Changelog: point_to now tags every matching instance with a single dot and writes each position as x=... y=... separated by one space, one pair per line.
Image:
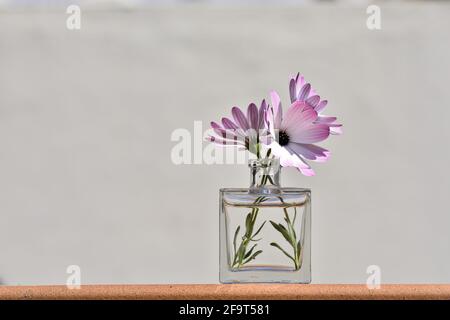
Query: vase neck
x=264 y=173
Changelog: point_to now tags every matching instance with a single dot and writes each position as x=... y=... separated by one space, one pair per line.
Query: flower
x=245 y=131
x=299 y=90
x=297 y=132
x=291 y=137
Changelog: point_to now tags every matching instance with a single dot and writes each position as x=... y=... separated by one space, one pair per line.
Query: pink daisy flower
x=296 y=132
x=246 y=131
x=299 y=90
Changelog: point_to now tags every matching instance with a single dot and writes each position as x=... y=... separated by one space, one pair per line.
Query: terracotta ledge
x=237 y=291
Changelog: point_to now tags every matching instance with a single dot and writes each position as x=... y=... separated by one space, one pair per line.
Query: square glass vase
x=265 y=231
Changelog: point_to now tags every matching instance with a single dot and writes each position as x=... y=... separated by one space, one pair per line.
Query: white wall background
x=86 y=118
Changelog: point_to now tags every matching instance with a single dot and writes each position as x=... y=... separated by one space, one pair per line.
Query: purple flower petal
x=225 y=133
x=252 y=116
x=325 y=119
x=215 y=125
x=240 y=118
x=262 y=115
x=310 y=134
x=228 y=124
x=298 y=116
x=310 y=151
x=287 y=157
x=269 y=121
x=304 y=92
x=277 y=109
x=299 y=163
x=322 y=104
x=292 y=90
x=313 y=101
x=299 y=83
x=221 y=132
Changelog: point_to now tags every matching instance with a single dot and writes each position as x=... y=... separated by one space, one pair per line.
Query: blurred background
x=86 y=118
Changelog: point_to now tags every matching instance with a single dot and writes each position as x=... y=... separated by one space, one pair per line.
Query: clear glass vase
x=265 y=230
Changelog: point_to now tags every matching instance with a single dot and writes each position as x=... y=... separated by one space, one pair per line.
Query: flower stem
x=243 y=254
x=288 y=232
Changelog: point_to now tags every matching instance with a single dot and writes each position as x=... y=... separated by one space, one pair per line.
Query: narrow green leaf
x=248 y=221
x=239 y=252
x=299 y=255
x=275 y=225
x=235 y=237
x=249 y=252
x=291 y=230
x=276 y=245
x=259 y=229
x=281 y=230
x=253 y=256
x=295 y=215
x=286 y=215
x=299 y=249
x=253 y=218
x=292 y=234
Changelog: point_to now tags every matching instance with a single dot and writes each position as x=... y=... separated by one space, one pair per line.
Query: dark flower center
x=283 y=138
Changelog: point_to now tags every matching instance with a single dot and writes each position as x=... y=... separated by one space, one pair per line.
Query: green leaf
x=248 y=221
x=295 y=215
x=292 y=234
x=290 y=225
x=253 y=256
x=239 y=253
x=299 y=255
x=259 y=229
x=299 y=249
x=235 y=237
x=251 y=222
x=254 y=216
x=281 y=230
x=276 y=245
x=249 y=252
x=286 y=216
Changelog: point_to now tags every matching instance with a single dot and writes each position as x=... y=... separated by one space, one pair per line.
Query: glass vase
x=265 y=230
